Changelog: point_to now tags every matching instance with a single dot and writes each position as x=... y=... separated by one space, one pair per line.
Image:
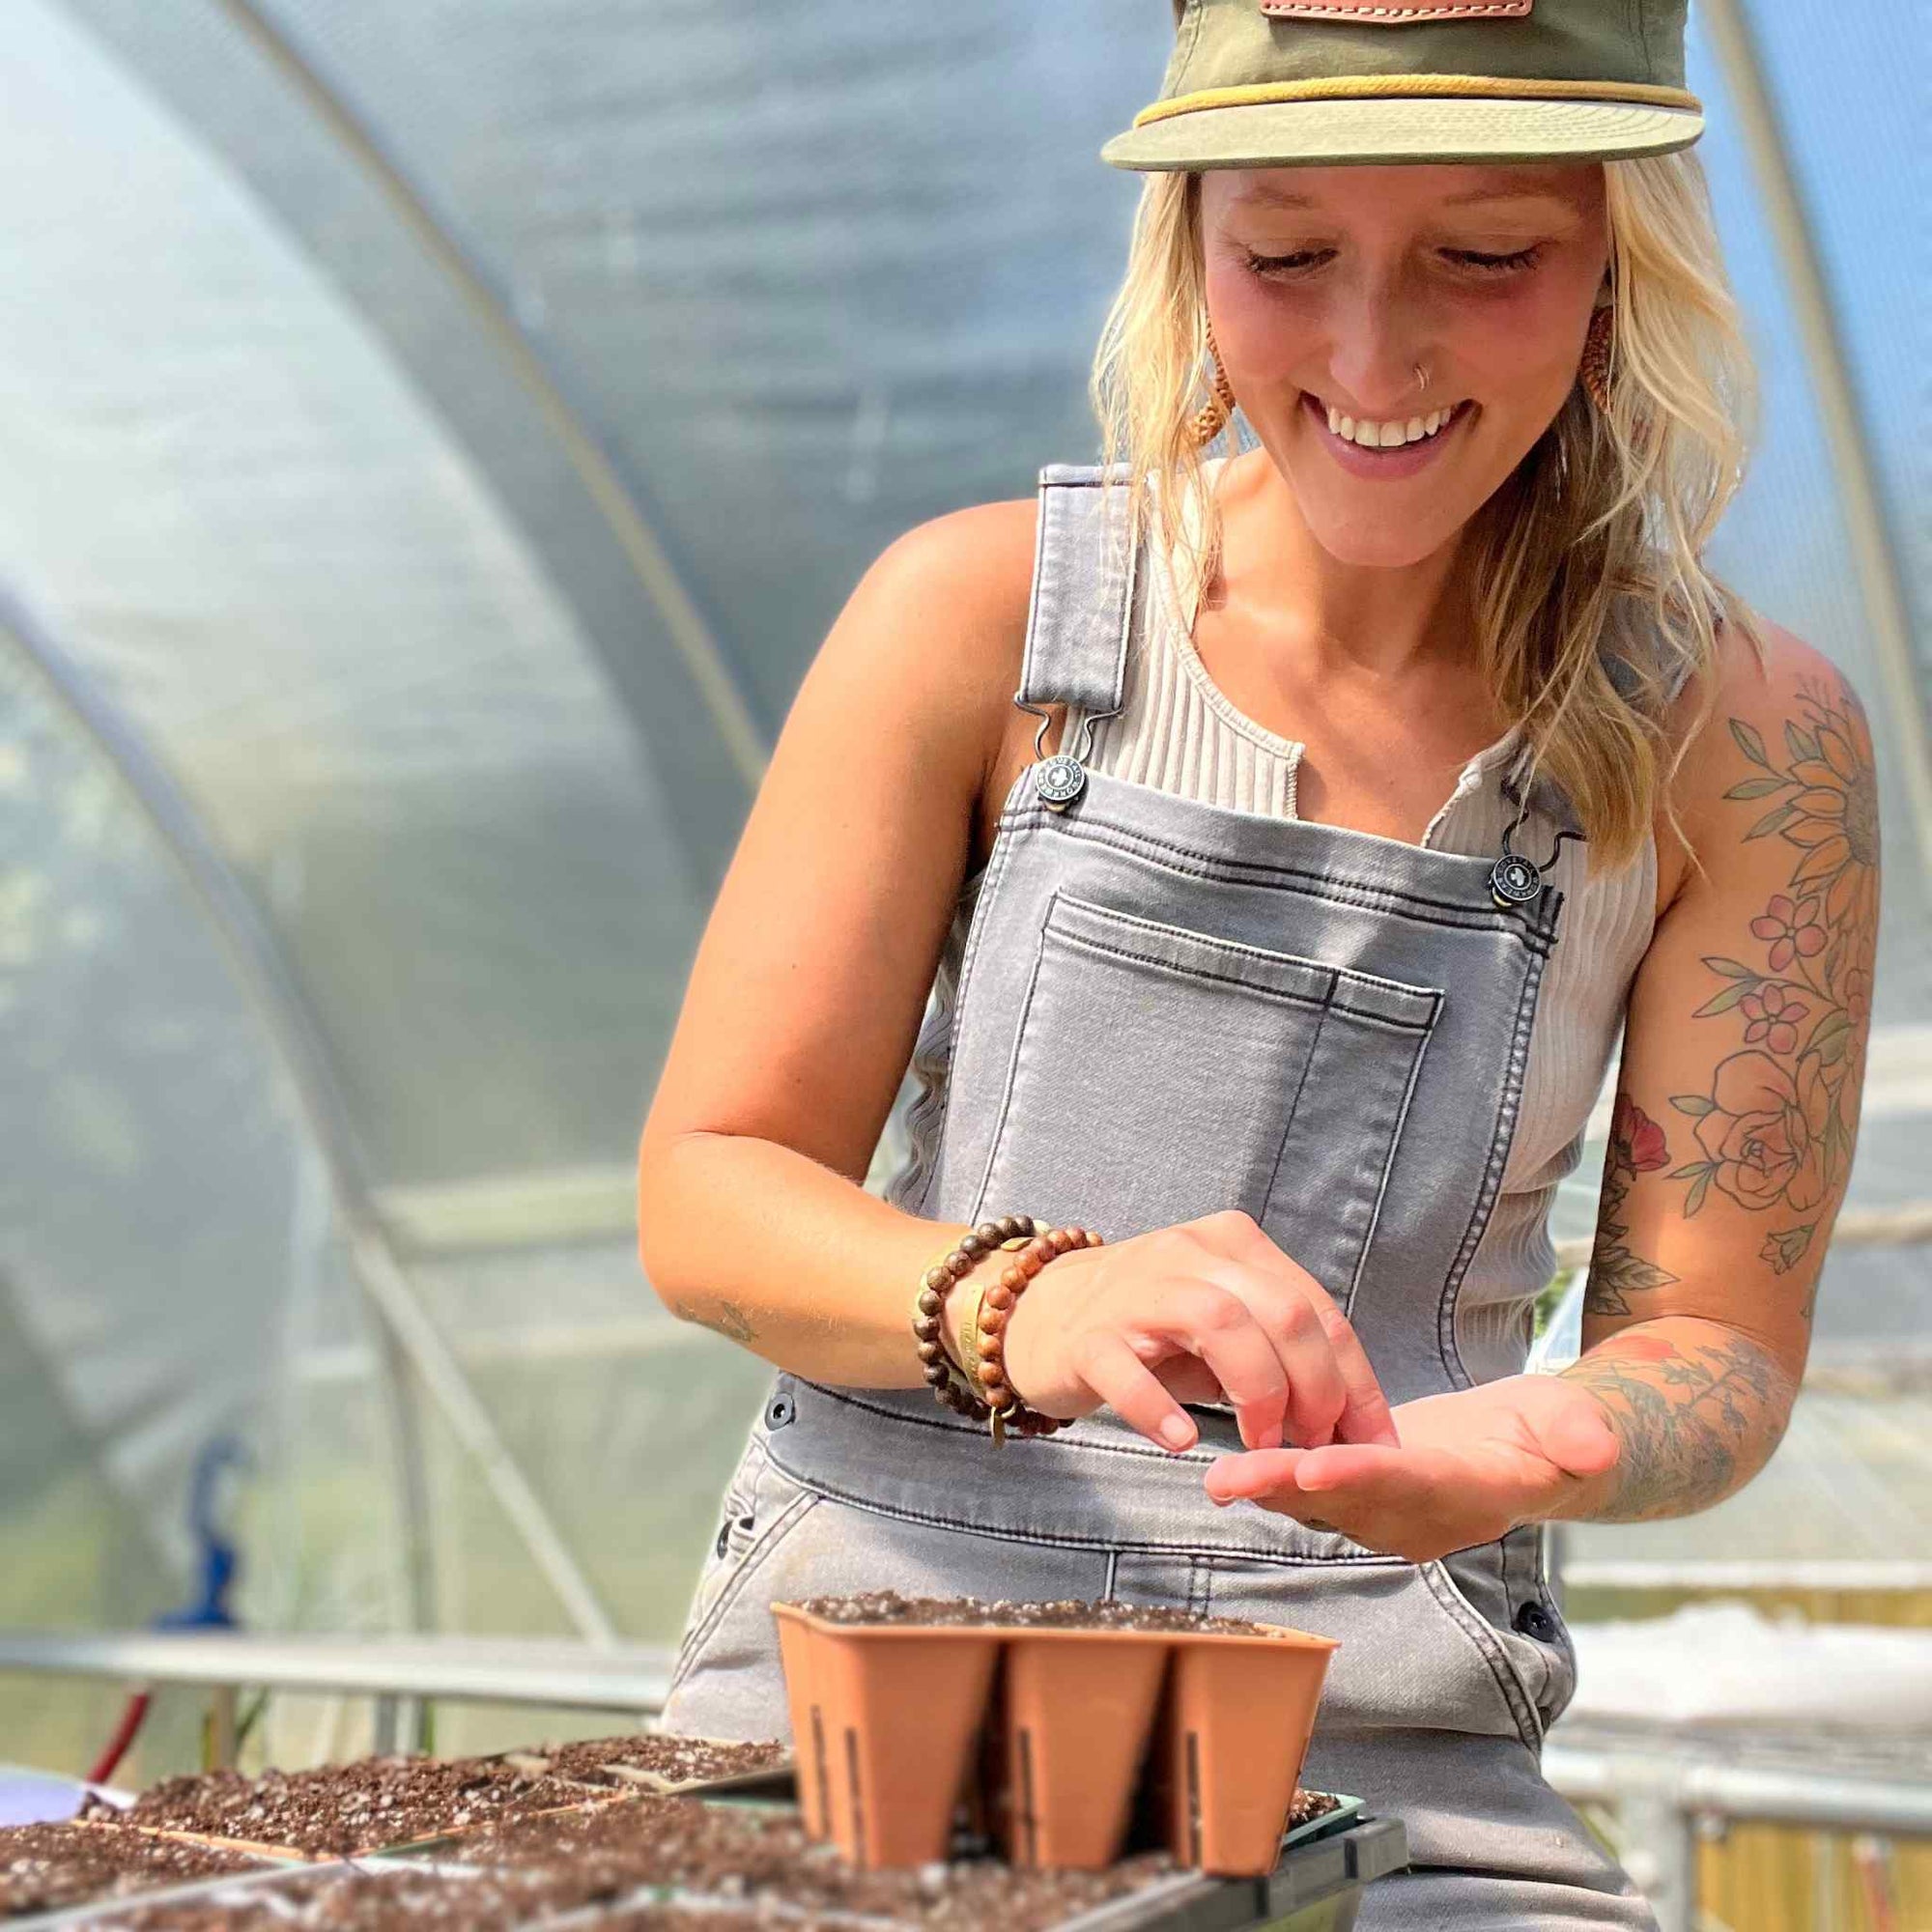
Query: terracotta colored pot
x=1076 y=1708
x=1239 y=1715
x=1205 y=1729
x=798 y=1653
x=885 y=1718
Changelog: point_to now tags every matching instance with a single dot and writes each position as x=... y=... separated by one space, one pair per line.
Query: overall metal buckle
x=1516 y=879
x=1058 y=780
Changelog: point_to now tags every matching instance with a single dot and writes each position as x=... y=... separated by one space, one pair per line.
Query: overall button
x=1534 y=1620
x=1513 y=881
x=1059 y=781
x=780 y=1411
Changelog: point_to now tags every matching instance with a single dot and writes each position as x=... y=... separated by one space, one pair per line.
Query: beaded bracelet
x=935 y=1283
x=996 y=1310
x=984 y=1394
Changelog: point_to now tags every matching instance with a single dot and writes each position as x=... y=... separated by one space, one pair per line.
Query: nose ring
x=1421 y=376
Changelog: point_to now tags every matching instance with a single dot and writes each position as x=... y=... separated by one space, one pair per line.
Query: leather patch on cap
x=1373 y=14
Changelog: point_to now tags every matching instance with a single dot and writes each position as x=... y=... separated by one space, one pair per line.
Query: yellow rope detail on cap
x=1385 y=86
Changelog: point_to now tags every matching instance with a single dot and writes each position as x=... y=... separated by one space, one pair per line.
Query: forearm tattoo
x=1696 y=1421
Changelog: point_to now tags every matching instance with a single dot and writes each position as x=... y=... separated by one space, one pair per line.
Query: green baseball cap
x=1272 y=83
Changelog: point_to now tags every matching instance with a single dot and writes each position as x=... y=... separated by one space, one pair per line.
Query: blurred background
x=435 y=436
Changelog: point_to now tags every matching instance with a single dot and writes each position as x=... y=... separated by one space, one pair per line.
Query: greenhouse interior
x=436 y=440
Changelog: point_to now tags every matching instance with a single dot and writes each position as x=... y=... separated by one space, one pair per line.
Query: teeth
x=1385 y=435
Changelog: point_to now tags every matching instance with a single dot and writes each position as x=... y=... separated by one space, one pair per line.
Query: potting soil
x=887 y=1607
x=676 y=1760
x=42 y=1867
x=725 y=1860
x=380 y=1904
x=737 y=1851
x=1308 y=1806
x=363 y=1806
x=338 y=1899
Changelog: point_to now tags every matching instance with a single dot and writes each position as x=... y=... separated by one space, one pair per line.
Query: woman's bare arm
x=1738 y=1099
x=1742 y=1059
x=802 y=1010
x=811 y=978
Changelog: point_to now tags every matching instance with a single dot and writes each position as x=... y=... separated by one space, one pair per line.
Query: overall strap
x=1081 y=617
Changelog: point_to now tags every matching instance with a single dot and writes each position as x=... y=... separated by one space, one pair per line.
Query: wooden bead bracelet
x=987 y=1394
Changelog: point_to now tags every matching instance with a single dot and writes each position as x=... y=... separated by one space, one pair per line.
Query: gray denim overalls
x=1165 y=1008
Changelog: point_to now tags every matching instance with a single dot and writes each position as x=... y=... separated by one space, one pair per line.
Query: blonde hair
x=1591 y=547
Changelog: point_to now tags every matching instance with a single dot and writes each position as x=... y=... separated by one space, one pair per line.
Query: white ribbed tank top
x=1178 y=731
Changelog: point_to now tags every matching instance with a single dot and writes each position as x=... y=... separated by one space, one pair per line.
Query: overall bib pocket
x=1171 y=1073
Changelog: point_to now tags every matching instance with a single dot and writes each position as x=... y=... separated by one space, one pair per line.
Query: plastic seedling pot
x=884 y=1718
x=1240 y=1714
x=798 y=1654
x=1075 y=1711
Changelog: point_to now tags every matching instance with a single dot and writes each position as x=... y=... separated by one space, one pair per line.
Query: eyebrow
x=1288 y=197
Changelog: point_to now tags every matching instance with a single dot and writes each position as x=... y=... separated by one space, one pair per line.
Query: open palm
x=1469 y=1466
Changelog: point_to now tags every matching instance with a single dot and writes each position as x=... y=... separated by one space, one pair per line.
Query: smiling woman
x=1397 y=772
x=1353 y=294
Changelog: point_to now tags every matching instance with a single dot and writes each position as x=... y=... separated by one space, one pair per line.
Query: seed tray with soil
x=660 y=1864
x=341 y=1810
x=339 y=1898
x=44 y=1866
x=657 y=1855
x=373 y=1902
x=763 y=1855
x=1067 y=1729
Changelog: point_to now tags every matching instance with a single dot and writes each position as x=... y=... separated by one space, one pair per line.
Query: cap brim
x=1289 y=134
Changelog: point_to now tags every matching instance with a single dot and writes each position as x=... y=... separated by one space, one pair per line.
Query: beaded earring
x=1211 y=421
x=1594 y=370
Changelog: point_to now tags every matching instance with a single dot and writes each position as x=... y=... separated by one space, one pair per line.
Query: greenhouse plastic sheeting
x=433 y=441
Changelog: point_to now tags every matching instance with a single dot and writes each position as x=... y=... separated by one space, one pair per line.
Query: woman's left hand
x=1471 y=1465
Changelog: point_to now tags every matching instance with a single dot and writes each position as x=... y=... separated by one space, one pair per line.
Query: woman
x=1397 y=764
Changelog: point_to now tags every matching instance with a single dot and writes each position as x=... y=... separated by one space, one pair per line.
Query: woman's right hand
x=1208 y=1310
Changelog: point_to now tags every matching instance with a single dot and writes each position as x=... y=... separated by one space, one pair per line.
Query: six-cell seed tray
x=1072 y=1730
x=660 y=1835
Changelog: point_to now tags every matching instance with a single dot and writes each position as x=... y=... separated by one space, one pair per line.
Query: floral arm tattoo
x=1636 y=1146
x=1776 y=1128
x=1698 y=1404
x=1773 y=1131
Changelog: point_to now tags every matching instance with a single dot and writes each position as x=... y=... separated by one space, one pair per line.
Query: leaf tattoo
x=1691 y=1420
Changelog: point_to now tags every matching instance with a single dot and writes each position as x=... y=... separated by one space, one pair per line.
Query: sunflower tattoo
x=1776 y=1129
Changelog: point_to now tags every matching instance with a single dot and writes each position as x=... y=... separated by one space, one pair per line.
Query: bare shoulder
x=934 y=637
x=1776 y=747
x=949 y=598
